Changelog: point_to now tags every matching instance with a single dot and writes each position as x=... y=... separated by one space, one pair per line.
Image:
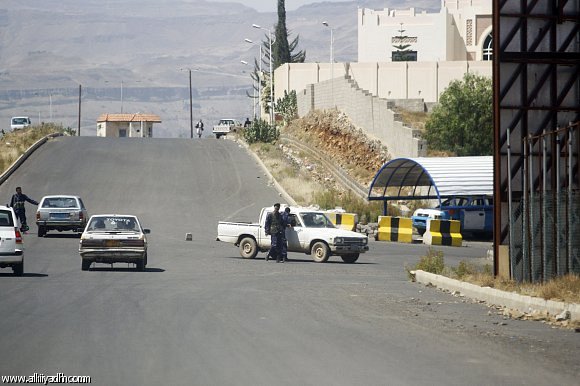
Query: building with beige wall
x=460 y=31
x=448 y=44
x=126 y=125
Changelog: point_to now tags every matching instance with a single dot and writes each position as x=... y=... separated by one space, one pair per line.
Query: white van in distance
x=17 y=123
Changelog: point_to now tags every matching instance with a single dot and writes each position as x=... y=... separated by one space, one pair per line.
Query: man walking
x=17 y=202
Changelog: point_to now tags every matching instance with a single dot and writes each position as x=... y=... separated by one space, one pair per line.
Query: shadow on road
x=25 y=274
x=125 y=269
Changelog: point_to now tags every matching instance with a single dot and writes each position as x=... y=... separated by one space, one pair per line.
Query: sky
x=272 y=5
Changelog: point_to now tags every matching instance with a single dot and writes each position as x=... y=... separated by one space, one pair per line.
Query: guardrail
x=339 y=174
x=16 y=164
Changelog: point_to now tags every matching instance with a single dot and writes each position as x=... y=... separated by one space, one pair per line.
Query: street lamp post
x=271 y=73
x=254 y=92
x=325 y=23
x=259 y=76
x=190 y=103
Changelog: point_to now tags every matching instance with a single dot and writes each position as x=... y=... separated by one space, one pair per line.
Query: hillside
x=129 y=53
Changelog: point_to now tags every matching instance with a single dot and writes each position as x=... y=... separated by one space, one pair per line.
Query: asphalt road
x=201 y=315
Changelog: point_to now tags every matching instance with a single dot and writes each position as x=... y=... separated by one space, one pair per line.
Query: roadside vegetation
x=14 y=144
x=562 y=288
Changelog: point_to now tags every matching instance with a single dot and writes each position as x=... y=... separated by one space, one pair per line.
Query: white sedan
x=114 y=238
x=11 y=247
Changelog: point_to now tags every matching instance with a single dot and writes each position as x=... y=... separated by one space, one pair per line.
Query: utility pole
x=79 y=123
x=190 y=105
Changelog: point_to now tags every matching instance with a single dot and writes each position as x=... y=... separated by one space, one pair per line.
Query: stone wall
x=371 y=114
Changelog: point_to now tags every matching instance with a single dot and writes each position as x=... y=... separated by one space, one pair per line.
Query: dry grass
x=413 y=119
x=14 y=144
x=562 y=288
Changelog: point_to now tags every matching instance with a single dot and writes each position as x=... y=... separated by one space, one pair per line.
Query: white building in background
x=461 y=31
x=126 y=125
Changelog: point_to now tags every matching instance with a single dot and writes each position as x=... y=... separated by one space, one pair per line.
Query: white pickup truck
x=226 y=126
x=312 y=233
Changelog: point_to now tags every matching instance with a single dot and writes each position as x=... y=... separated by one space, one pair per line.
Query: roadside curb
x=496 y=297
x=16 y=164
x=279 y=188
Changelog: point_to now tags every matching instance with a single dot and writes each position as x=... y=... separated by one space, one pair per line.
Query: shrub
x=431 y=262
x=261 y=131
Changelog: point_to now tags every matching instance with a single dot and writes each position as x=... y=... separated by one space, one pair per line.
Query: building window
x=469 y=33
x=487 y=53
x=404 y=56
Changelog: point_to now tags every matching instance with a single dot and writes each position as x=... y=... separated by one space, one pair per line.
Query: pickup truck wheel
x=320 y=252
x=350 y=258
x=41 y=231
x=86 y=264
x=248 y=248
x=18 y=269
x=140 y=265
x=217 y=136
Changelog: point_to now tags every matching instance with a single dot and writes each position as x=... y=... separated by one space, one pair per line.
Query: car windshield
x=113 y=224
x=60 y=202
x=316 y=220
x=6 y=218
x=19 y=121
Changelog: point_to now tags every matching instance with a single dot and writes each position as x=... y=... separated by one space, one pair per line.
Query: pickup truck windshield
x=315 y=220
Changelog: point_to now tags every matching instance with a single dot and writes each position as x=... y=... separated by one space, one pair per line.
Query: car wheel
x=41 y=231
x=140 y=265
x=145 y=260
x=217 y=136
x=350 y=258
x=320 y=252
x=248 y=248
x=18 y=269
x=86 y=264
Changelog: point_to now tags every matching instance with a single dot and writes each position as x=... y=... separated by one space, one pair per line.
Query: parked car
x=11 y=245
x=312 y=233
x=114 y=238
x=61 y=213
x=474 y=213
x=17 y=123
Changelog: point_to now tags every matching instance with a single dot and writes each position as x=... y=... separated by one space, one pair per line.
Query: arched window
x=487 y=52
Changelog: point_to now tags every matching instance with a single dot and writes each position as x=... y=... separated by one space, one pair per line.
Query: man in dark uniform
x=17 y=202
x=275 y=228
x=286 y=222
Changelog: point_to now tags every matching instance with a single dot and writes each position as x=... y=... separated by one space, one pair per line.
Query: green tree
x=287 y=106
x=282 y=53
x=462 y=122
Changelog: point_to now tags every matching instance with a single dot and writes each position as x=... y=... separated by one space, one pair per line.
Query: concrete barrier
x=346 y=221
x=398 y=229
x=443 y=232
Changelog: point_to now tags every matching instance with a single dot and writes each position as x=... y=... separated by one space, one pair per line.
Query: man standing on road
x=285 y=224
x=17 y=202
x=275 y=228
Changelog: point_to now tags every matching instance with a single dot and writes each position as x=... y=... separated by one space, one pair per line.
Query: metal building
x=536 y=75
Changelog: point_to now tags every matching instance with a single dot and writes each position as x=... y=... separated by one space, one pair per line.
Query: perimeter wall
x=367 y=93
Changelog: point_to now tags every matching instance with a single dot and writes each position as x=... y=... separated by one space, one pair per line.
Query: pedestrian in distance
x=248 y=123
x=17 y=203
x=275 y=228
x=199 y=128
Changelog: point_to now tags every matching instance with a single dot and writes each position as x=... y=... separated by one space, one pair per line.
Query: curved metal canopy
x=433 y=177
